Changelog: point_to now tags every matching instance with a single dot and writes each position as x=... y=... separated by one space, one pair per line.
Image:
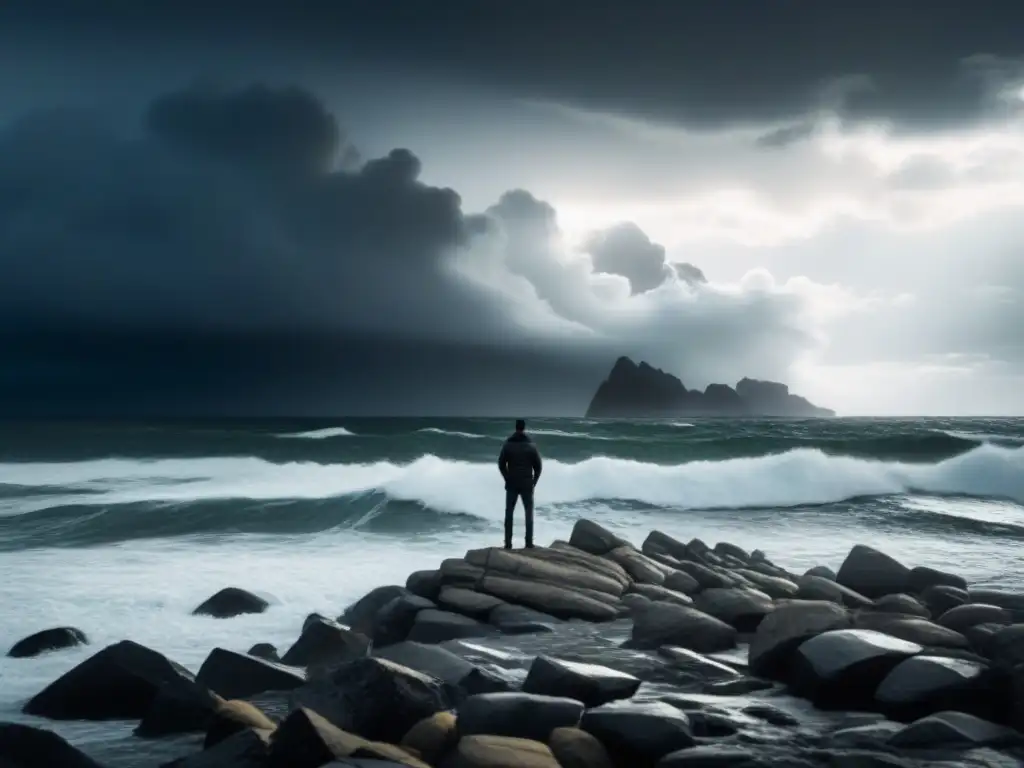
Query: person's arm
x=503 y=463
x=538 y=465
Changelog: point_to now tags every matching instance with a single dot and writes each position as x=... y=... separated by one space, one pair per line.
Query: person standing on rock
x=520 y=465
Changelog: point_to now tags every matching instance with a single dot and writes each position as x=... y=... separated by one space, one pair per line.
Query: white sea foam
x=451 y=433
x=797 y=477
x=320 y=434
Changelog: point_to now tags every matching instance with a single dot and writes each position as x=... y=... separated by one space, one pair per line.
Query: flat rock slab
x=591 y=684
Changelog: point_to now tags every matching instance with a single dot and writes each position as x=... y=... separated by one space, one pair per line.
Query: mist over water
x=123 y=529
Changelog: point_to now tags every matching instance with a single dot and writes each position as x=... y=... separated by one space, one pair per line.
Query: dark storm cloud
x=703 y=63
x=626 y=250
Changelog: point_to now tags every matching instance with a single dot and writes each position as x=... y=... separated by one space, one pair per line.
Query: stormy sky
x=463 y=207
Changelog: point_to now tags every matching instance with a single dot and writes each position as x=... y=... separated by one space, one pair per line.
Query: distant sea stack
x=641 y=391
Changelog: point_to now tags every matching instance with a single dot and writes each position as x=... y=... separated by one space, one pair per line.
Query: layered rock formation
x=679 y=654
x=641 y=391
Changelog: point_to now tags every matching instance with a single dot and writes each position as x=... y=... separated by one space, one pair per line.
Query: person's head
x=520 y=425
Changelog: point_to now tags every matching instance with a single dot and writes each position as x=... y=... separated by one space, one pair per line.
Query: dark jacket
x=519 y=462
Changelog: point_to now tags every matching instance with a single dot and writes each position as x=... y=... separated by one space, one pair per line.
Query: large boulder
x=658 y=543
x=1006 y=646
x=953 y=729
x=593 y=538
x=433 y=626
x=433 y=737
x=468 y=602
x=640 y=568
x=941 y=598
x=24 y=746
x=660 y=624
x=741 y=608
x=681 y=581
x=305 y=739
x=872 y=573
x=178 y=709
x=560 y=568
x=901 y=603
x=822 y=571
x=910 y=628
x=786 y=628
x=706 y=576
x=639 y=734
x=565 y=553
x=964 y=617
x=811 y=587
x=373 y=698
x=463 y=677
x=517 y=714
x=659 y=594
x=575 y=748
x=393 y=622
x=230 y=602
x=776 y=587
x=922 y=577
x=248 y=748
x=119 y=682
x=425 y=583
x=326 y=643
x=482 y=751
x=841 y=669
x=591 y=684
x=232 y=717
x=923 y=685
x=236 y=675
x=361 y=614
x=1011 y=601
x=47 y=640
x=558 y=601
x=517 y=620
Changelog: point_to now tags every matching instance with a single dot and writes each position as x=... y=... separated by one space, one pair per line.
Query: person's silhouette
x=520 y=465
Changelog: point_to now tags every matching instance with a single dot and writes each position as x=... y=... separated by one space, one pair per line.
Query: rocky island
x=642 y=391
x=590 y=653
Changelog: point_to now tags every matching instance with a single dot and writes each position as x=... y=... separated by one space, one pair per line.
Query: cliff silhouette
x=642 y=391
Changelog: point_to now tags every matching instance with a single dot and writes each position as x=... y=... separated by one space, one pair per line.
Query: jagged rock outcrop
x=642 y=391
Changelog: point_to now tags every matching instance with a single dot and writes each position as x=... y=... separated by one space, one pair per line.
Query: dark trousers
x=511 y=494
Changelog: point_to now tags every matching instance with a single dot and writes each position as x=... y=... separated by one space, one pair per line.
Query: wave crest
x=320 y=434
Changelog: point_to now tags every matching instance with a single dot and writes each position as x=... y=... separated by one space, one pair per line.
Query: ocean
x=122 y=529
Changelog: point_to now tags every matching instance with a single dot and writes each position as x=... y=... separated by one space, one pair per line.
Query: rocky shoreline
x=590 y=653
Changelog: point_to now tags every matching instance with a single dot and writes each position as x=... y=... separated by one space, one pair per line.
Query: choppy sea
x=122 y=529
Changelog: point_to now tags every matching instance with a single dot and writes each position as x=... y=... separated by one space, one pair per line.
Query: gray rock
x=591 y=684
x=681 y=581
x=921 y=578
x=901 y=603
x=518 y=715
x=920 y=631
x=373 y=698
x=24 y=746
x=963 y=616
x=324 y=643
x=660 y=594
x=660 y=624
x=771 y=715
x=460 y=674
x=785 y=628
x=741 y=608
x=980 y=636
x=54 y=639
x=468 y=602
x=706 y=576
x=395 y=619
x=555 y=567
x=658 y=542
x=821 y=571
x=362 y=613
x=633 y=600
x=425 y=583
x=944 y=729
x=564 y=554
x=236 y=675
x=246 y=749
x=230 y=602
x=1011 y=601
x=810 y=587
x=639 y=734
x=1006 y=645
x=433 y=626
x=777 y=587
x=641 y=568
x=593 y=538
x=941 y=598
x=872 y=573
x=119 y=682
x=265 y=651
x=924 y=685
x=561 y=602
x=731 y=550
x=517 y=620
x=870 y=735
x=841 y=669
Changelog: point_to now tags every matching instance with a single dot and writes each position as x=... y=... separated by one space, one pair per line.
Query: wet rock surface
x=590 y=653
